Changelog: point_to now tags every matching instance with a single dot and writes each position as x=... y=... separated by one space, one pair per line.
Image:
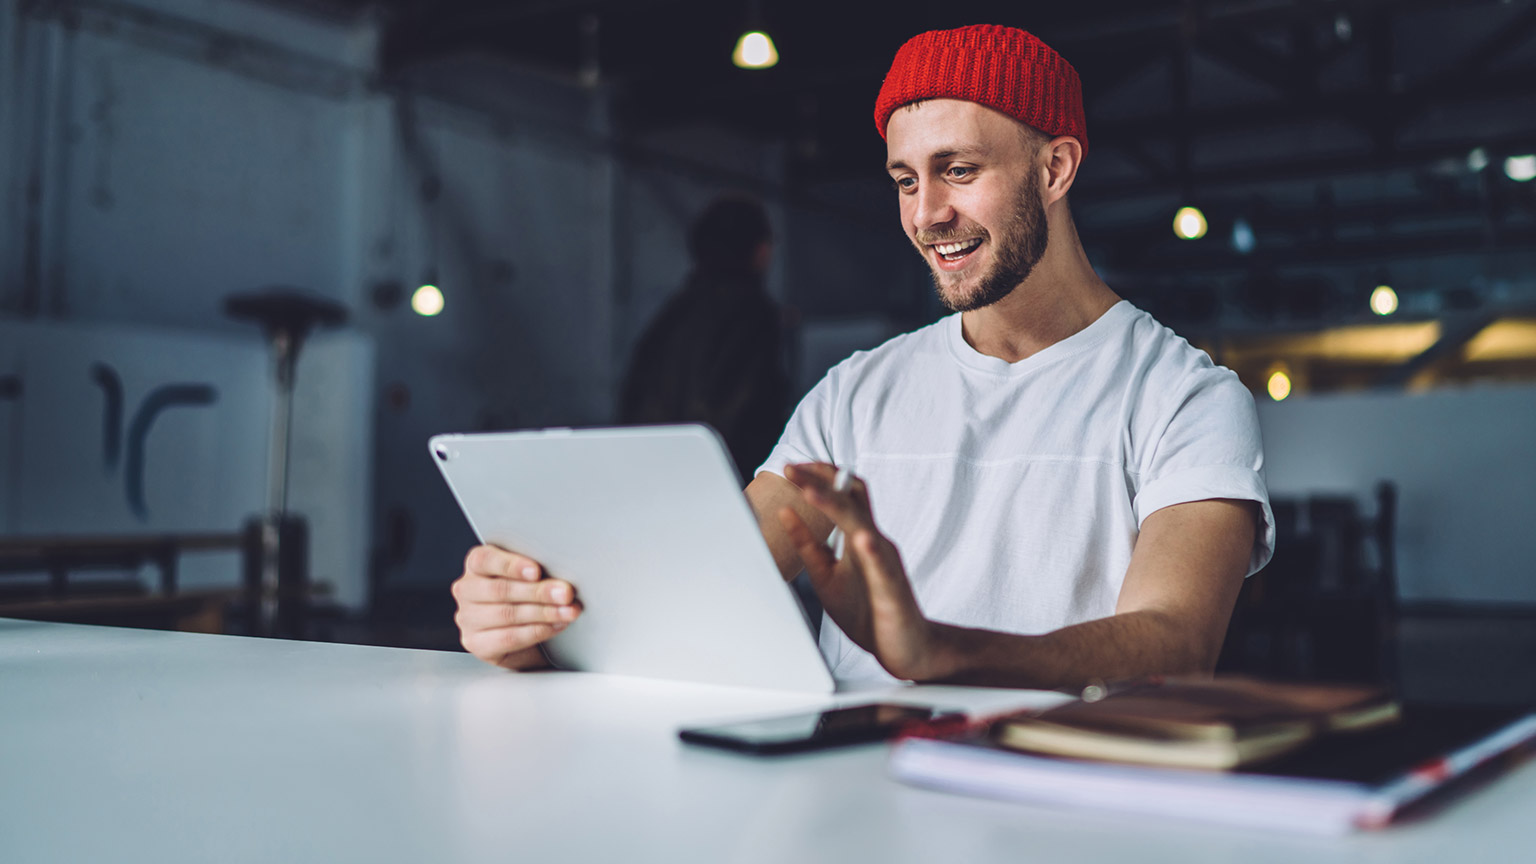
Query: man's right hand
x=507 y=607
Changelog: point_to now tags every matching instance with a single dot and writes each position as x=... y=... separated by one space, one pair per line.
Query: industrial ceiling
x=1333 y=145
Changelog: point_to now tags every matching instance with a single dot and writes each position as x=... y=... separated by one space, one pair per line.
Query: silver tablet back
x=652 y=528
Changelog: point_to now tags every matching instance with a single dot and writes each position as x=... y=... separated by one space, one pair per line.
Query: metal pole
x=285 y=345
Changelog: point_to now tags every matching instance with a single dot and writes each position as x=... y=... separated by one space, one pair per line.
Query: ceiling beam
x=1270 y=220
x=1337 y=106
x=1310 y=167
x=1396 y=246
x=1472 y=68
x=1127 y=62
x=1252 y=58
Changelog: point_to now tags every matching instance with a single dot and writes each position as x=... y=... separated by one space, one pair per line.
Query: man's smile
x=954 y=255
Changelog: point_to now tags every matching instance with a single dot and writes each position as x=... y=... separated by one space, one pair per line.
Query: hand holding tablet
x=508 y=606
x=650 y=526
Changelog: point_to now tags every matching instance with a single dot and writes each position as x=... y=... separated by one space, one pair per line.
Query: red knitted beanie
x=1003 y=68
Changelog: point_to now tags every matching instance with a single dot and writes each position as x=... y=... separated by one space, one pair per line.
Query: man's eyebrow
x=943 y=153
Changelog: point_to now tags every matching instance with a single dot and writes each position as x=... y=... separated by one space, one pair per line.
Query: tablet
x=651 y=526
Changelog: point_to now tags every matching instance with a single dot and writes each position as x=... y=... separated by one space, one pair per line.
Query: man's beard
x=1020 y=244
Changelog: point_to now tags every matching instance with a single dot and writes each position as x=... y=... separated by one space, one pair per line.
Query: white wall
x=248 y=197
x=1464 y=461
x=170 y=175
x=203 y=467
x=330 y=467
x=519 y=240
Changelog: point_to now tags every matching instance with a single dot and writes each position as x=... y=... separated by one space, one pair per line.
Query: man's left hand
x=867 y=593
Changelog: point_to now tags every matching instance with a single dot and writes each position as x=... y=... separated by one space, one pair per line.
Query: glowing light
x=427 y=300
x=754 y=50
x=1383 y=300
x=1279 y=385
x=1342 y=28
x=1242 y=236
x=1362 y=343
x=1477 y=160
x=1189 y=223
x=1506 y=339
x=1520 y=168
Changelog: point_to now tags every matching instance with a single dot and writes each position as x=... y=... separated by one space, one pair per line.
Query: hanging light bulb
x=1383 y=300
x=1189 y=223
x=1279 y=385
x=754 y=50
x=1520 y=168
x=427 y=301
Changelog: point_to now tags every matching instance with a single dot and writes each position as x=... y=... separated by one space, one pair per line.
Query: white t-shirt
x=1015 y=491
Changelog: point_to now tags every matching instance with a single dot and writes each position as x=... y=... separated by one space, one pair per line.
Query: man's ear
x=1063 y=155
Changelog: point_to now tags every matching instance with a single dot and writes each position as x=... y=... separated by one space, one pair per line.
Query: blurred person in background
x=715 y=352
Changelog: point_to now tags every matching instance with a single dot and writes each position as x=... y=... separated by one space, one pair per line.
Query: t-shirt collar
x=1116 y=316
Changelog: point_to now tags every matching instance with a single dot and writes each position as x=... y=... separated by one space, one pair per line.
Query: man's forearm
x=1126 y=645
x=1177 y=597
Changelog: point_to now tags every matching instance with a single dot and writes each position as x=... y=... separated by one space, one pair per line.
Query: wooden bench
x=125 y=602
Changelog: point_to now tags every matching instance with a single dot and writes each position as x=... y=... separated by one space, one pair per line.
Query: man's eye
x=958 y=171
x=903 y=184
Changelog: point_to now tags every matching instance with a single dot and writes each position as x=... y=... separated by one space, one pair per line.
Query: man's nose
x=933 y=207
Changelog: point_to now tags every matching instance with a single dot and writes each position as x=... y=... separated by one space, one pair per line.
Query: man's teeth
x=947 y=249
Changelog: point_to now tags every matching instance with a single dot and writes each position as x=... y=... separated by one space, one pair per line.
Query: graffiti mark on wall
x=158 y=400
x=111 y=385
x=155 y=403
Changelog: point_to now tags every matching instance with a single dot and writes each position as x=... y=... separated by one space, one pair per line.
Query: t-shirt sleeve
x=1210 y=448
x=808 y=435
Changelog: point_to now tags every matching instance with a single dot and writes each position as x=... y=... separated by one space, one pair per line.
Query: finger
x=897 y=632
x=492 y=616
x=817 y=557
x=829 y=480
x=884 y=577
x=848 y=508
x=493 y=646
x=805 y=474
x=499 y=563
x=471 y=588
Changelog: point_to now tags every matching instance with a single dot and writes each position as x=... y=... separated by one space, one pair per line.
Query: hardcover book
x=1199 y=723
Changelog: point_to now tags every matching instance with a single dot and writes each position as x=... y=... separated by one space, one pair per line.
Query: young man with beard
x=1075 y=491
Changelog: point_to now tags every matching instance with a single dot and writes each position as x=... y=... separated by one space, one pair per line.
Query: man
x=714 y=352
x=1076 y=492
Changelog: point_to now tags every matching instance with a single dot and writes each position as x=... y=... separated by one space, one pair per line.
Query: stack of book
x=1308 y=758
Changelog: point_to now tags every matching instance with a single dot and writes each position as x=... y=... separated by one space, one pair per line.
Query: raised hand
x=867 y=592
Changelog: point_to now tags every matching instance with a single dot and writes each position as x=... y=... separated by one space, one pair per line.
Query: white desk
x=127 y=746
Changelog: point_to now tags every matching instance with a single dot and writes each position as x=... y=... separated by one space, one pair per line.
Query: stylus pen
x=840 y=483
